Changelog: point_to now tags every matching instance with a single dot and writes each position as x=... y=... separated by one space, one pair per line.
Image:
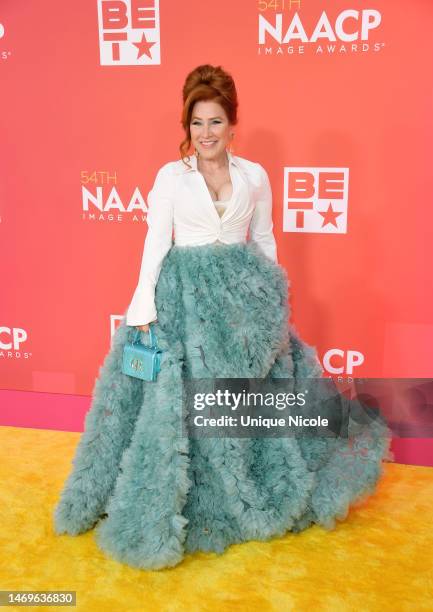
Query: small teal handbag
x=141 y=361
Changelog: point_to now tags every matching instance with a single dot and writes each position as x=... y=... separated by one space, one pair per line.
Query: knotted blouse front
x=180 y=201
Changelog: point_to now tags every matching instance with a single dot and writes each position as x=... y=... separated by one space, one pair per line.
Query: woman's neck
x=209 y=166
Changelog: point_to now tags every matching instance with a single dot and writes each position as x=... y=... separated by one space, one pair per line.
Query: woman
x=218 y=304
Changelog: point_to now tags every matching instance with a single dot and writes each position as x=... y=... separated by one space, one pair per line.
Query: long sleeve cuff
x=142 y=307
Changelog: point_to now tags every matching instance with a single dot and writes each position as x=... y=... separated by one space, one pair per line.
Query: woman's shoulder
x=254 y=171
x=168 y=168
x=249 y=165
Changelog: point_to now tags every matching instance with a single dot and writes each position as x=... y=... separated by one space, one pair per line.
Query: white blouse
x=181 y=201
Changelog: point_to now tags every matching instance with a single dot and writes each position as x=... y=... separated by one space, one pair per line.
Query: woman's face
x=210 y=129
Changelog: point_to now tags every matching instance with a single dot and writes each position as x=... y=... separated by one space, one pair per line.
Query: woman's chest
x=193 y=200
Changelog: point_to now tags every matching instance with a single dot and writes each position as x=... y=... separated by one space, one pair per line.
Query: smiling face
x=210 y=129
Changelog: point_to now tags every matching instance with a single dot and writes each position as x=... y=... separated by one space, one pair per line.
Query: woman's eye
x=196 y=123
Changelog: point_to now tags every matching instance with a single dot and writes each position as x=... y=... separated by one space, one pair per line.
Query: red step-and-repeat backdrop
x=335 y=102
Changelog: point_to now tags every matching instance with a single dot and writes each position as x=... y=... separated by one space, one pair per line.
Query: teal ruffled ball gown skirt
x=154 y=494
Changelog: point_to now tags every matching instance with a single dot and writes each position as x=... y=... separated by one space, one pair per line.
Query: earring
x=230 y=146
x=196 y=153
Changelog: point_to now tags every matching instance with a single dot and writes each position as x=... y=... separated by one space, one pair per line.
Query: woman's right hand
x=145 y=327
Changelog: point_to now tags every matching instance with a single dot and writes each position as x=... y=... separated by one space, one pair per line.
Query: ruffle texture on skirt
x=156 y=494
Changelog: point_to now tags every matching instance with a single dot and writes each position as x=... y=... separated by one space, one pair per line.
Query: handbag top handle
x=152 y=336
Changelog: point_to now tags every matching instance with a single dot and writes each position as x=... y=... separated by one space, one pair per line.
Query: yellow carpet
x=380 y=558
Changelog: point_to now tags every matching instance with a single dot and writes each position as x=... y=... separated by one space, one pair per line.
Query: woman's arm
x=261 y=225
x=158 y=241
